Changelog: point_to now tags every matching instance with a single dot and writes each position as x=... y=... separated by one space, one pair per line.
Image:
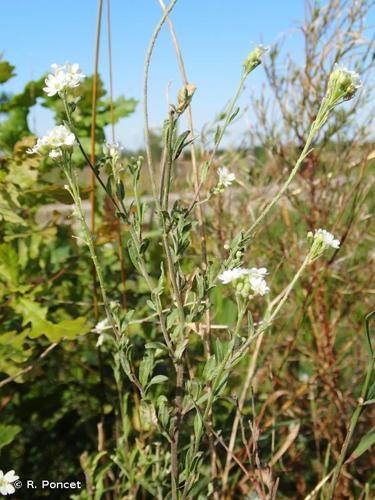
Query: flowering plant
x=175 y=226
x=6 y=482
x=203 y=373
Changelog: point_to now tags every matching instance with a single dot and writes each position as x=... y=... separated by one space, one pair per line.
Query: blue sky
x=215 y=37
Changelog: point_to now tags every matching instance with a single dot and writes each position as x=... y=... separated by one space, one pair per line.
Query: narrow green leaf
x=156 y=345
x=217 y=135
x=234 y=114
x=197 y=425
x=158 y=379
x=180 y=144
x=365 y=443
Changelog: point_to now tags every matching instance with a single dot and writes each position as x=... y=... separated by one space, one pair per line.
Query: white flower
x=327 y=238
x=58 y=137
x=248 y=281
x=232 y=274
x=100 y=328
x=55 y=153
x=6 y=480
x=303 y=377
x=73 y=73
x=225 y=177
x=102 y=325
x=260 y=272
x=41 y=143
x=67 y=76
x=100 y=340
x=54 y=84
x=258 y=285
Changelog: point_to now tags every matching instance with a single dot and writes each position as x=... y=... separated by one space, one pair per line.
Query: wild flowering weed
x=180 y=301
x=65 y=77
x=6 y=482
x=186 y=303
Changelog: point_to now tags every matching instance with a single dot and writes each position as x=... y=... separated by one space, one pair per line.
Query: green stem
x=73 y=184
x=148 y=280
x=168 y=172
x=241 y=312
x=315 y=127
x=292 y=174
x=356 y=414
x=145 y=98
x=221 y=134
x=289 y=288
x=133 y=234
x=179 y=367
x=228 y=116
x=268 y=322
x=83 y=152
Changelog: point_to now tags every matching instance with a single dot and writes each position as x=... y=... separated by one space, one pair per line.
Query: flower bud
x=254 y=59
x=343 y=84
x=113 y=150
x=185 y=96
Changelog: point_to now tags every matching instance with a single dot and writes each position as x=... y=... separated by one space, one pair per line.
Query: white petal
x=10 y=476
x=10 y=489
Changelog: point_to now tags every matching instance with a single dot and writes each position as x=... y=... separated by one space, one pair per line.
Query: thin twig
x=145 y=98
x=27 y=369
x=92 y=139
x=113 y=134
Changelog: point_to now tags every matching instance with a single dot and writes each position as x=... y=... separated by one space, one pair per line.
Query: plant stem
x=145 y=98
x=73 y=184
x=241 y=403
x=84 y=154
x=357 y=412
x=268 y=322
x=215 y=384
x=176 y=428
x=179 y=367
x=200 y=217
x=221 y=135
x=93 y=112
x=315 y=127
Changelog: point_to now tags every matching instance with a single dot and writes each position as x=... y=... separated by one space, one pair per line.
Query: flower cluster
x=248 y=282
x=343 y=84
x=254 y=59
x=322 y=240
x=326 y=238
x=67 y=76
x=53 y=142
x=6 y=480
